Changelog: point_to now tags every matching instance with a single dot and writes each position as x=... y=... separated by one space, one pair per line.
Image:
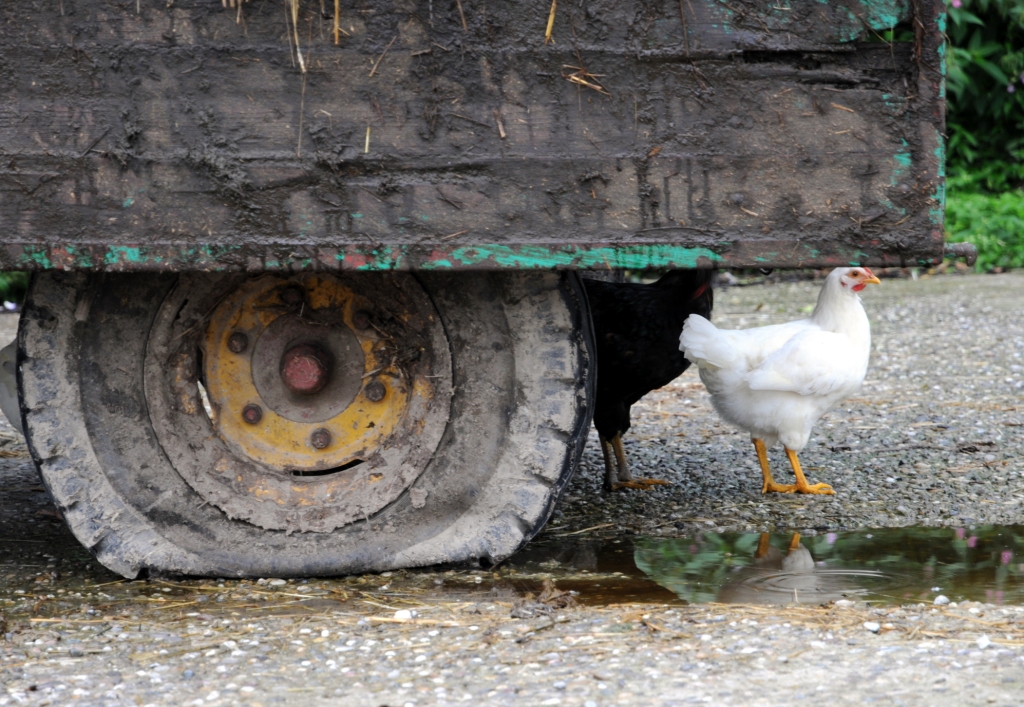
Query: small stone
x=941 y=600
x=277 y=582
x=188 y=674
x=403 y=615
x=845 y=603
x=559 y=684
x=872 y=626
x=984 y=641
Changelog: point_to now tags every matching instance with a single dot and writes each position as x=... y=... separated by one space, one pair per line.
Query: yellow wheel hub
x=300 y=376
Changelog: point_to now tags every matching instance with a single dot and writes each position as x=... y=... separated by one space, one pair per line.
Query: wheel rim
x=324 y=398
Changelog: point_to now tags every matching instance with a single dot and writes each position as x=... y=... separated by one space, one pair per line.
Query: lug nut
x=374 y=392
x=292 y=296
x=361 y=320
x=304 y=369
x=238 y=342
x=320 y=439
x=252 y=414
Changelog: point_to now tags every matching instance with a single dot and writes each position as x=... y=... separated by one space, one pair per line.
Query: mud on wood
x=741 y=132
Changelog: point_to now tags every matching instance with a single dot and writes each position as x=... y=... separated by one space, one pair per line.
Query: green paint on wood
x=938 y=215
x=124 y=254
x=631 y=256
x=39 y=257
x=885 y=14
x=903 y=162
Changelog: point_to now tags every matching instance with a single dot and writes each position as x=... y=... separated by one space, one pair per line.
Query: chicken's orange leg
x=764 y=544
x=769 y=485
x=801 y=483
x=626 y=480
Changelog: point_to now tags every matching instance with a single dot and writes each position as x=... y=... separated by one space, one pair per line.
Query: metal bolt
x=361 y=320
x=320 y=439
x=292 y=296
x=238 y=342
x=374 y=392
x=304 y=369
x=252 y=414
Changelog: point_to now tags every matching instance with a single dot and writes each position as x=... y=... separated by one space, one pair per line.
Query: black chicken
x=637 y=330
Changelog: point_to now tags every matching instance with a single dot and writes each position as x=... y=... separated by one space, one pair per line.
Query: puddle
x=886 y=566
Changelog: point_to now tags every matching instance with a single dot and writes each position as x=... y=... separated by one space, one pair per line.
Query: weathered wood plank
x=765 y=135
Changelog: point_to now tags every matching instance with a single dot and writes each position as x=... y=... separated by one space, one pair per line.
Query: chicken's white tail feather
x=705 y=344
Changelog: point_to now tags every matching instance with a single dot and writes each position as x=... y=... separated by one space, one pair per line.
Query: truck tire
x=285 y=425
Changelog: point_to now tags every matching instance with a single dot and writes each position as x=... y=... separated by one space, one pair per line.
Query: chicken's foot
x=769 y=485
x=801 y=483
x=625 y=478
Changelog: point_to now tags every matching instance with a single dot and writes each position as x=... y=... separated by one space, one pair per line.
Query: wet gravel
x=934 y=438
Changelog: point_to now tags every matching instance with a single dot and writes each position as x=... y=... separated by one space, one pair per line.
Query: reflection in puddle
x=771 y=577
x=888 y=566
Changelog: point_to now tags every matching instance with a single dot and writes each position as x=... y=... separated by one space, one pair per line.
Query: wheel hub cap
x=325 y=395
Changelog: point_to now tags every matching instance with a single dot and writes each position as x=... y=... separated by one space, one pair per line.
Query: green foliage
x=993 y=222
x=13 y=286
x=985 y=92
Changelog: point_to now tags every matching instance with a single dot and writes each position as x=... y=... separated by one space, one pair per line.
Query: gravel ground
x=934 y=438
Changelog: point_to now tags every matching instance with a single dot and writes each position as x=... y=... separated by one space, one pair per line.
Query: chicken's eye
x=855 y=273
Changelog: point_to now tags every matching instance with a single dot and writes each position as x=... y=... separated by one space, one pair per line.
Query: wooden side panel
x=647 y=134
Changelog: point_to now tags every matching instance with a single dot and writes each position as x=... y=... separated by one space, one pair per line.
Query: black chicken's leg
x=626 y=480
x=611 y=473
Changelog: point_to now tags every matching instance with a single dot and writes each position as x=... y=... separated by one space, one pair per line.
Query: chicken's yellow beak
x=873 y=280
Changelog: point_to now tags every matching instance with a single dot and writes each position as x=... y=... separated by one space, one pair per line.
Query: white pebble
x=984 y=642
x=277 y=582
x=872 y=626
x=403 y=615
x=941 y=600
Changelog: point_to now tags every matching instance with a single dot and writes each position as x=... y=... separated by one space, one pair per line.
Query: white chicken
x=776 y=381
